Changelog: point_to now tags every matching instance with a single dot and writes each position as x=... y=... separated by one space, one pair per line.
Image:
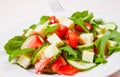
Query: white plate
x=11 y=70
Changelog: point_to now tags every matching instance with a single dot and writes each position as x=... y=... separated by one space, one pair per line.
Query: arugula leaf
x=101 y=44
x=80 y=23
x=88 y=17
x=96 y=22
x=14 y=43
x=43 y=19
x=69 y=50
x=51 y=28
x=70 y=53
x=115 y=36
x=31 y=27
x=79 y=14
x=17 y=52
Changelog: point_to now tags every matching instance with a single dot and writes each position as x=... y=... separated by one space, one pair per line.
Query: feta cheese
x=54 y=39
x=24 y=61
x=87 y=55
x=86 y=38
x=68 y=23
x=50 y=51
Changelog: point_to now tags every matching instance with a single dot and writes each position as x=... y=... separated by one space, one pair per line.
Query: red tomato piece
x=35 y=43
x=88 y=25
x=95 y=50
x=55 y=66
x=39 y=66
x=61 y=31
x=72 y=39
x=53 y=20
x=67 y=70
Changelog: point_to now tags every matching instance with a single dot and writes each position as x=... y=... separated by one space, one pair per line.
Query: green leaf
x=43 y=19
x=80 y=23
x=88 y=17
x=79 y=14
x=17 y=52
x=31 y=27
x=14 y=43
x=51 y=28
x=69 y=51
x=101 y=44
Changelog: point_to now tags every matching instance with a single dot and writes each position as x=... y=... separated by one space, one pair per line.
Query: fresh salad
x=64 y=45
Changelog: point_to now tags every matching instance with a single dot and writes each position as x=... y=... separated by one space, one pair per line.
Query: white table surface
x=14 y=12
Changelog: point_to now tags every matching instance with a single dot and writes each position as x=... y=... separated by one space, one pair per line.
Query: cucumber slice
x=84 y=47
x=81 y=65
x=37 y=53
x=55 y=57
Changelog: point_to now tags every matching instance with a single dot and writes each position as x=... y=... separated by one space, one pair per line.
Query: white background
x=15 y=14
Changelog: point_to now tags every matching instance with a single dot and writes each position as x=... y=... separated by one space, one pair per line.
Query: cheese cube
x=68 y=23
x=86 y=38
x=50 y=51
x=54 y=39
x=24 y=61
x=87 y=55
x=40 y=29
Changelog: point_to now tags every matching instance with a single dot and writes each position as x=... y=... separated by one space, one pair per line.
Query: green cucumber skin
x=35 y=53
x=84 y=47
x=81 y=68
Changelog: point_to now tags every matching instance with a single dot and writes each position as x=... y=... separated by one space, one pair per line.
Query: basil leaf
x=31 y=27
x=51 y=28
x=80 y=23
x=14 y=43
x=17 y=52
x=43 y=19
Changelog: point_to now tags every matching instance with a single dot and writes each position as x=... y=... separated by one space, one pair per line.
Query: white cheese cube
x=54 y=39
x=24 y=61
x=86 y=38
x=40 y=29
x=68 y=23
x=29 y=32
x=87 y=55
x=50 y=51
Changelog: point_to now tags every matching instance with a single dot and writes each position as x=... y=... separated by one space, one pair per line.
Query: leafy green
x=80 y=23
x=70 y=53
x=51 y=28
x=14 y=43
x=31 y=27
x=101 y=44
x=80 y=17
x=43 y=19
x=17 y=52
x=115 y=36
x=88 y=17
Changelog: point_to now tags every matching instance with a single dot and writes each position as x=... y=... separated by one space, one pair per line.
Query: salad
x=65 y=45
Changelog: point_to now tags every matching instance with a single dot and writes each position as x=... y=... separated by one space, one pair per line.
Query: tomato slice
x=55 y=66
x=53 y=20
x=72 y=39
x=67 y=70
x=35 y=43
x=88 y=25
x=61 y=31
x=39 y=66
